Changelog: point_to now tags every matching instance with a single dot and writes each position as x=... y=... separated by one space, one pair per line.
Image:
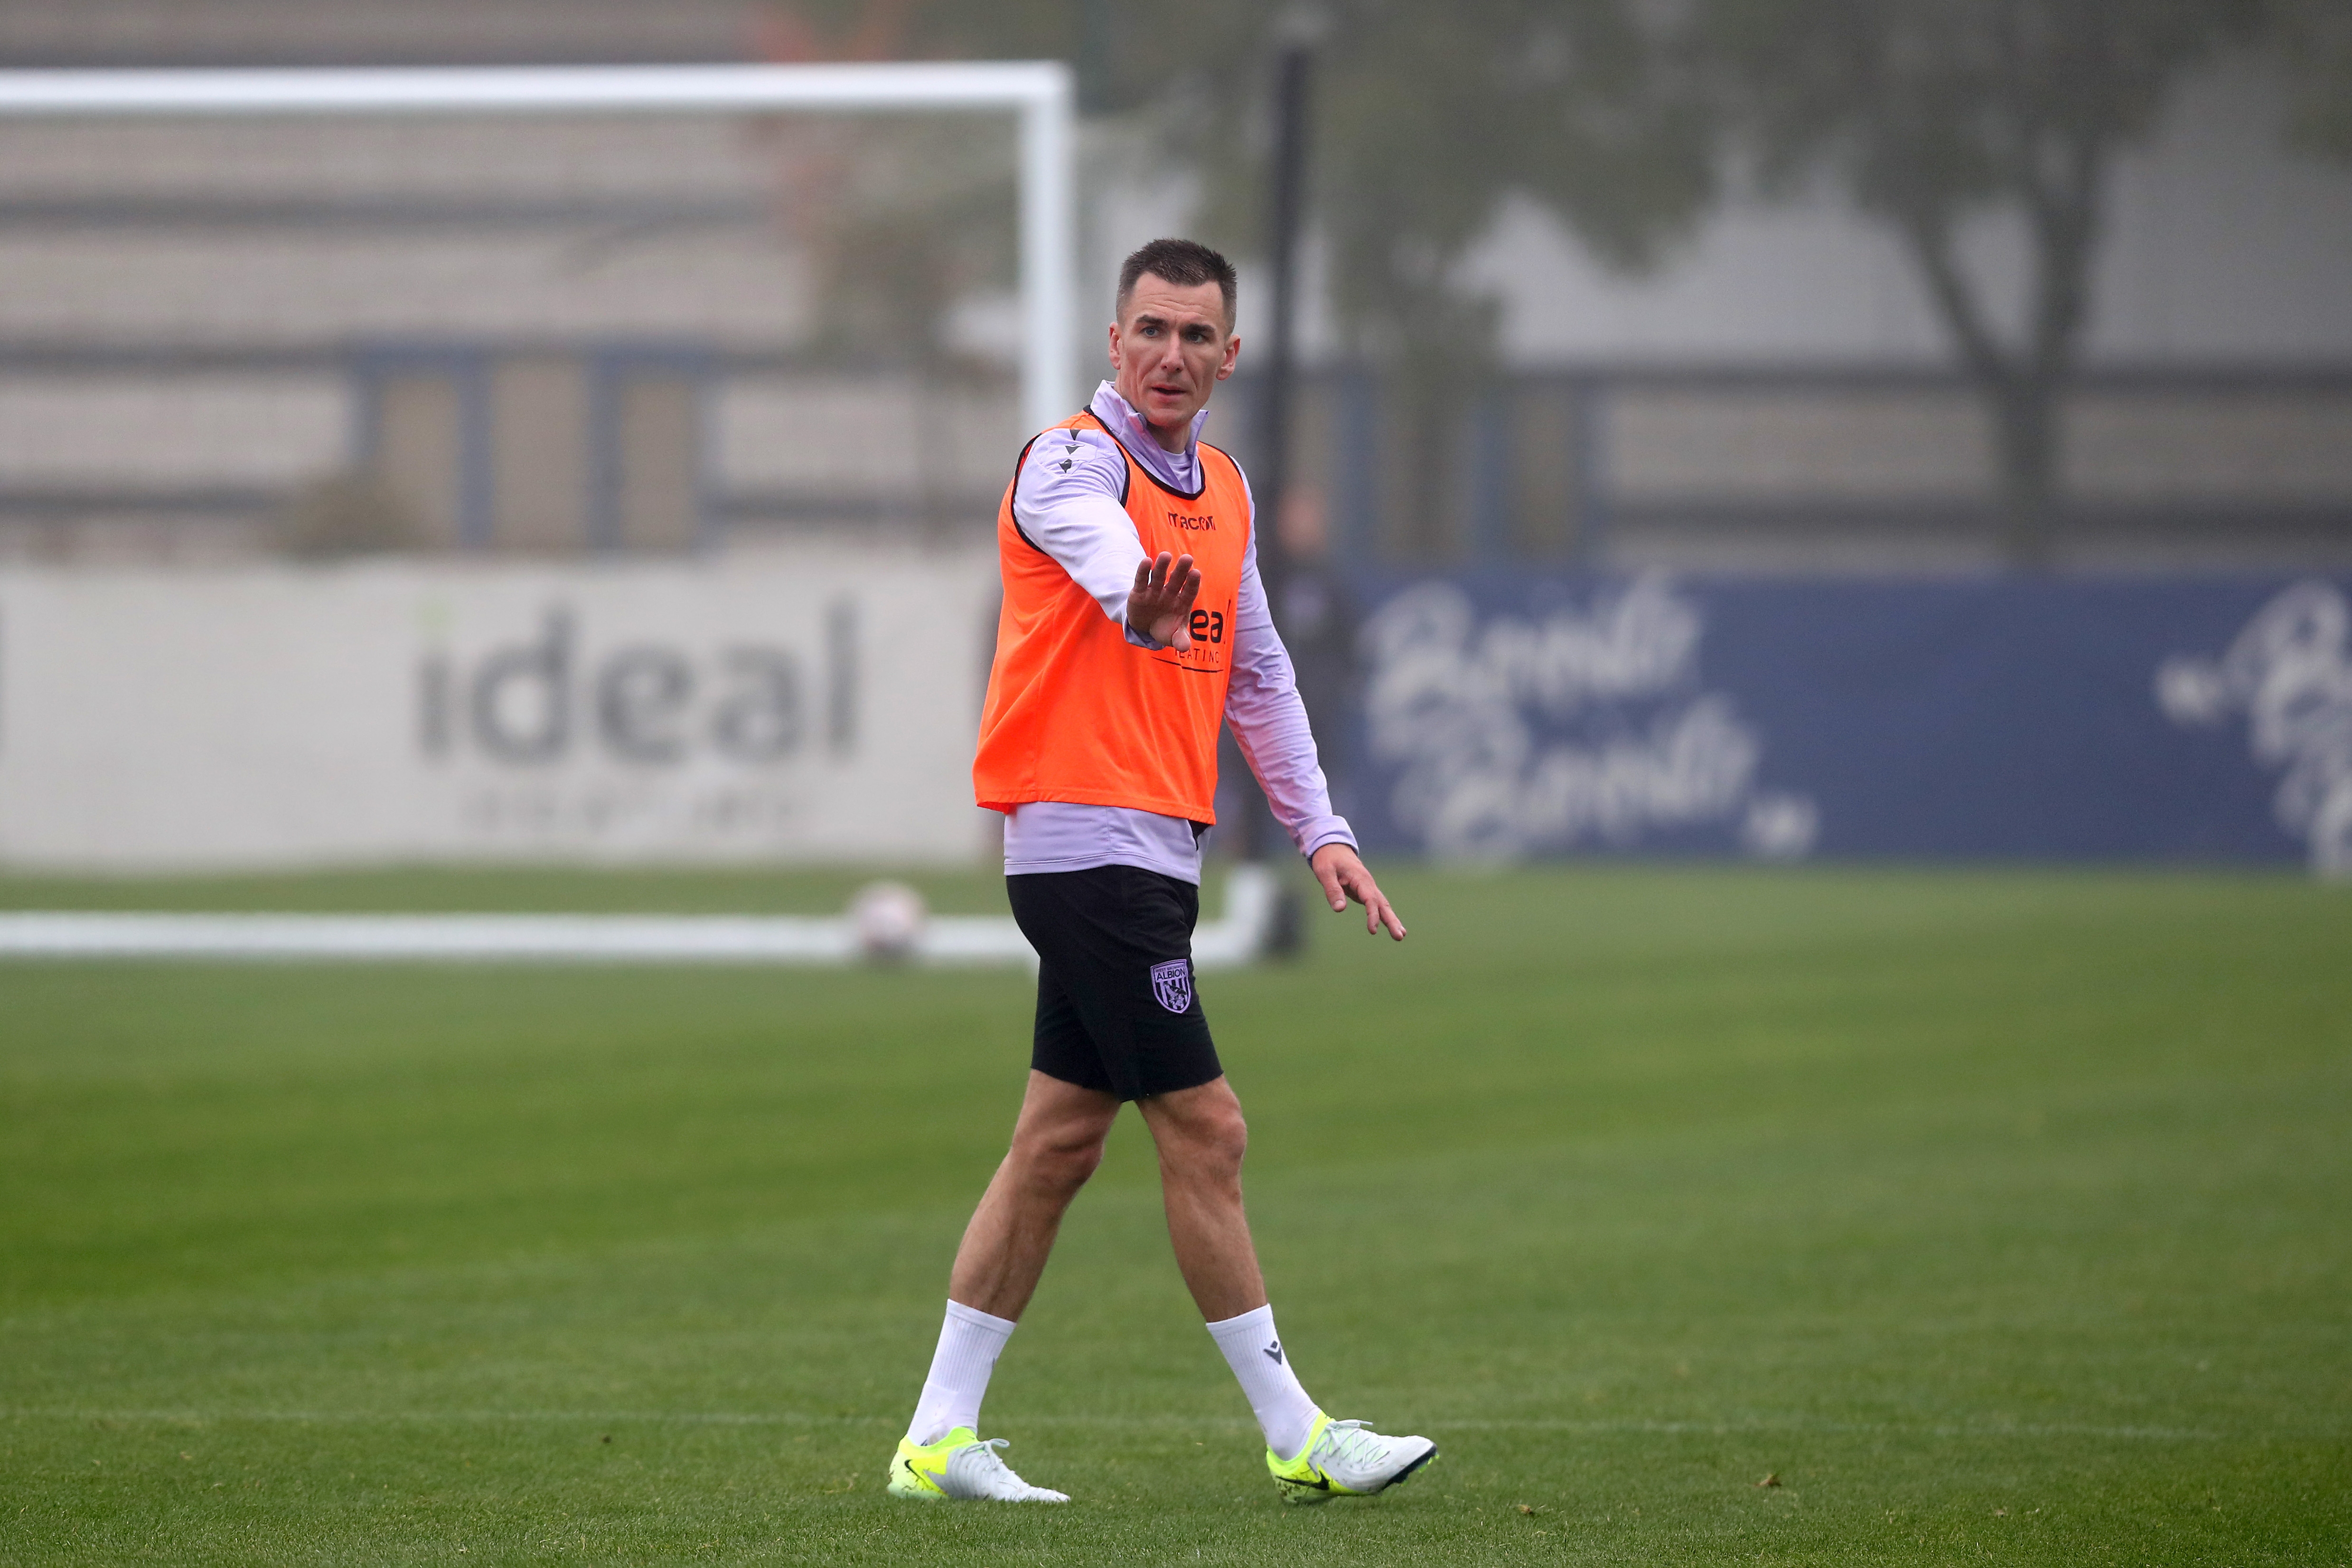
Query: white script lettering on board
x=2289 y=674
x=1514 y=735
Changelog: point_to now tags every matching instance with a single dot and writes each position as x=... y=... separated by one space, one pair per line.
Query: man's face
x=1169 y=348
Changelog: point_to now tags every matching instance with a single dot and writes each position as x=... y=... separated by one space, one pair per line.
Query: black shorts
x=1116 y=1010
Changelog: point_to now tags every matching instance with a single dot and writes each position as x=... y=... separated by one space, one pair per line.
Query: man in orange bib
x=1134 y=624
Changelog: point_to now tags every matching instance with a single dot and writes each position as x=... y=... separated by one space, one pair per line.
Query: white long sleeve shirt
x=1072 y=511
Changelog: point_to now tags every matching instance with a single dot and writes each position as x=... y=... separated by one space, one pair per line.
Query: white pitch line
x=945 y=939
x=571 y=938
x=1751 y=1426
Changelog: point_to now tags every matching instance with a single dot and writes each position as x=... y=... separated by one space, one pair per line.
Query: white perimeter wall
x=811 y=705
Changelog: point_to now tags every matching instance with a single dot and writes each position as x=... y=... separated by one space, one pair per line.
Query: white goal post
x=1038 y=90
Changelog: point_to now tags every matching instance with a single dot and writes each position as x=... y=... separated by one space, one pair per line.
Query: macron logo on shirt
x=1204 y=523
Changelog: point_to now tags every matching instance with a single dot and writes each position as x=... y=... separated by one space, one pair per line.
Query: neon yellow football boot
x=959 y=1467
x=1341 y=1458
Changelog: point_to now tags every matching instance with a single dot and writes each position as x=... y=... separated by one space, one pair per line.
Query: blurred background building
x=539 y=335
x=1573 y=295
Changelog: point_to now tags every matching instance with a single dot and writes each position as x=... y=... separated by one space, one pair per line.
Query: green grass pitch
x=1701 y=1214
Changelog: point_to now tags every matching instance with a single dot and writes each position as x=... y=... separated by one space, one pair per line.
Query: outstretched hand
x=1161 y=607
x=1345 y=876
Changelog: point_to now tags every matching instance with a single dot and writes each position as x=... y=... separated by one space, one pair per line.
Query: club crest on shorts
x=1173 y=982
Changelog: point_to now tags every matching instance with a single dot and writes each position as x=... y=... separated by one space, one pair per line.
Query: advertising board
x=1506 y=716
x=817 y=705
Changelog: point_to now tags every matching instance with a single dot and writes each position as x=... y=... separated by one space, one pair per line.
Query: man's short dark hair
x=1186 y=263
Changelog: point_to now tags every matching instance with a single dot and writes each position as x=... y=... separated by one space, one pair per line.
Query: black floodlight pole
x=1271 y=460
x=1283 y=351
x=1274 y=400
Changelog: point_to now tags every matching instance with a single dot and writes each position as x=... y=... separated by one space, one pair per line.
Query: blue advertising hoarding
x=1505 y=715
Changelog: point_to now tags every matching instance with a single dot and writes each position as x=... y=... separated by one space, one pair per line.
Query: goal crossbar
x=1039 y=91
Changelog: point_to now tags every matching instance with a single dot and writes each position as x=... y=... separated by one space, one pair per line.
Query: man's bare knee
x=1059 y=1161
x=1205 y=1138
x=1224 y=1137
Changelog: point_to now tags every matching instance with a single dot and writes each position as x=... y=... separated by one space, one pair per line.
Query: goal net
x=590 y=464
x=521 y=312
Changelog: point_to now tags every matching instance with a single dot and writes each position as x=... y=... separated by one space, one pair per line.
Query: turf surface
x=1993 y=1217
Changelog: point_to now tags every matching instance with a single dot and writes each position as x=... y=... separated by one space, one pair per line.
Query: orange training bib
x=1075 y=712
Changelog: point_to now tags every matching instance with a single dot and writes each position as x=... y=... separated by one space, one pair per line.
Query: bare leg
x=1202 y=1137
x=1056 y=1144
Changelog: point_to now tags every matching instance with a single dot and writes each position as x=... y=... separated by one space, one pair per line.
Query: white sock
x=970 y=1343
x=1254 y=1352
